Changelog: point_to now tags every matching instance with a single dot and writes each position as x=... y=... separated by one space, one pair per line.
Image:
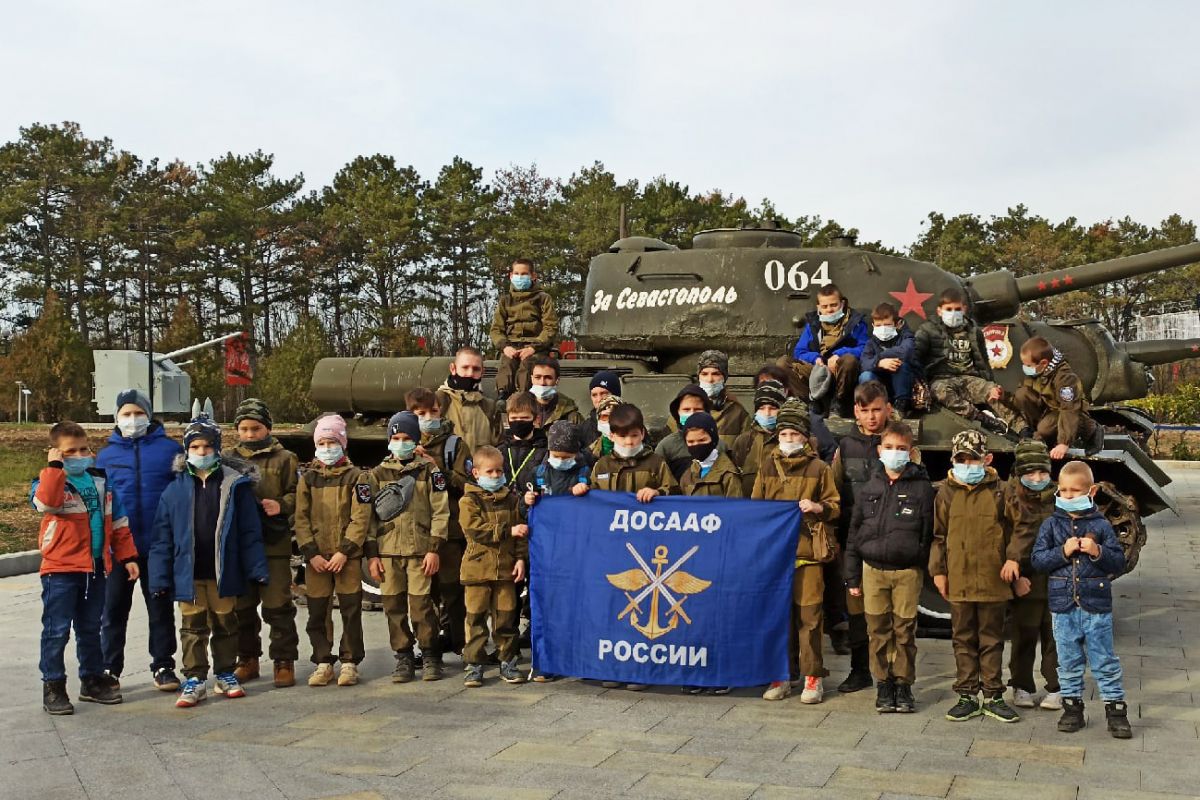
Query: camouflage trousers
x=512 y=374
x=964 y=394
x=1031 y=627
x=278 y=611
x=407 y=596
x=1044 y=420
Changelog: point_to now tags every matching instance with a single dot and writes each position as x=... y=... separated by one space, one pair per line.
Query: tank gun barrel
x=1153 y=352
x=183 y=351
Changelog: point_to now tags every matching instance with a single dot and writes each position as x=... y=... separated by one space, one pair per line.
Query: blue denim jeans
x=899 y=383
x=1083 y=637
x=159 y=610
x=72 y=598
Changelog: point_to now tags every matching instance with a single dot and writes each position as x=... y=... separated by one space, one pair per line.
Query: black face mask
x=701 y=451
x=261 y=444
x=462 y=383
x=521 y=428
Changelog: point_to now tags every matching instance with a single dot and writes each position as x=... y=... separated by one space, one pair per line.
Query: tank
x=650 y=309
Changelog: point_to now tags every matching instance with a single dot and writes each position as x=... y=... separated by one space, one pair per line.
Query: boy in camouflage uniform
x=412 y=516
x=712 y=370
x=493 y=565
x=1052 y=402
x=974 y=562
x=756 y=444
x=1030 y=501
x=333 y=520
x=552 y=405
x=475 y=416
x=525 y=325
x=712 y=473
x=276 y=492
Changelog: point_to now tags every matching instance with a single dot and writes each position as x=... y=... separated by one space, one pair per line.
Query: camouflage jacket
x=333 y=510
x=487 y=520
x=525 y=319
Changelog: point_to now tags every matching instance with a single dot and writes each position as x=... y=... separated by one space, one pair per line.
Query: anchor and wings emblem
x=661 y=581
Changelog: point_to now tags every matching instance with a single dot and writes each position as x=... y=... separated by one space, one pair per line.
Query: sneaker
x=991 y=422
x=1072 y=717
x=192 y=693
x=885 y=697
x=905 y=702
x=692 y=690
x=348 y=675
x=1117 y=714
x=636 y=687
x=814 y=690
x=996 y=708
x=1095 y=442
x=1053 y=701
x=474 y=678
x=510 y=674
x=108 y=679
x=856 y=681
x=431 y=667
x=722 y=690
x=322 y=675
x=227 y=684
x=55 y=699
x=778 y=690
x=404 y=671
x=96 y=690
x=611 y=684
x=1024 y=699
x=966 y=708
x=537 y=676
x=165 y=679
x=247 y=669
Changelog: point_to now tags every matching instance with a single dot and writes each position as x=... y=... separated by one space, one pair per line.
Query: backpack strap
x=451 y=451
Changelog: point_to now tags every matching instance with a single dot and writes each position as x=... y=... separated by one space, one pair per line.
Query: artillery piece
x=650 y=309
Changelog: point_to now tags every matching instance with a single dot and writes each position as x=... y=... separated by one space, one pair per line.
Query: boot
x=1117 y=714
x=94 y=690
x=285 y=674
x=246 y=669
x=885 y=697
x=404 y=671
x=431 y=667
x=860 y=676
x=1072 y=717
x=54 y=698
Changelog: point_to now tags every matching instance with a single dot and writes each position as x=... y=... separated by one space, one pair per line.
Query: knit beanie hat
x=793 y=414
x=703 y=421
x=333 y=427
x=691 y=390
x=969 y=442
x=1031 y=456
x=713 y=358
x=606 y=379
x=135 y=396
x=202 y=428
x=770 y=393
x=563 y=437
x=254 y=409
x=405 y=422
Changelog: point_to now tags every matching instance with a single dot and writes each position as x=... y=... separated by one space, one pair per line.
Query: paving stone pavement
x=576 y=740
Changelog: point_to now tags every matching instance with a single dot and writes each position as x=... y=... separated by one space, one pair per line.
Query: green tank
x=650 y=309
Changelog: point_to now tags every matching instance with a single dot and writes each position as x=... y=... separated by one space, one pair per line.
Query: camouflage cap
x=255 y=409
x=1031 y=456
x=713 y=358
x=969 y=442
x=202 y=428
x=608 y=404
x=563 y=437
x=770 y=393
x=793 y=414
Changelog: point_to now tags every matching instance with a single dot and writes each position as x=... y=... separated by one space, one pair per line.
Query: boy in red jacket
x=83 y=530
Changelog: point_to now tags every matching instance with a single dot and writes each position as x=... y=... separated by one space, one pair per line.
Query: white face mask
x=790 y=448
x=953 y=319
x=133 y=426
x=627 y=452
x=330 y=454
x=543 y=392
x=885 y=333
x=604 y=428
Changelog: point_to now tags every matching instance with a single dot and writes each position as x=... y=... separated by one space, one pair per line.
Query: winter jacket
x=240 y=559
x=900 y=347
x=550 y=481
x=1079 y=580
x=424 y=523
x=139 y=470
x=847 y=337
x=451 y=455
x=972 y=538
x=645 y=470
x=891 y=526
x=1028 y=510
x=749 y=450
x=727 y=411
x=588 y=431
x=65 y=534
x=854 y=462
x=475 y=417
x=525 y=319
x=935 y=352
x=801 y=476
x=278 y=473
x=487 y=519
x=561 y=407
x=722 y=480
x=521 y=457
x=673 y=450
x=333 y=510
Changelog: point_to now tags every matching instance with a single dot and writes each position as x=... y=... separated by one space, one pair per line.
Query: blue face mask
x=1028 y=370
x=684 y=416
x=491 y=484
x=1035 y=486
x=560 y=464
x=832 y=318
x=78 y=466
x=764 y=421
x=330 y=454
x=1075 y=504
x=969 y=474
x=403 y=449
x=522 y=283
x=894 y=460
x=430 y=425
x=204 y=462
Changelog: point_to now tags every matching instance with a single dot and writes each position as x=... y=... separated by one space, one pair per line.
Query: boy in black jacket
x=890 y=532
x=524 y=446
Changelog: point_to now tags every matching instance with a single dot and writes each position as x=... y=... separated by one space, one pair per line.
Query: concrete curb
x=20 y=563
x=1169 y=464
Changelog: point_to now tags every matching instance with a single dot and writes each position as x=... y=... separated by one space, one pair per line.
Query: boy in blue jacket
x=207 y=548
x=887 y=356
x=1079 y=549
x=833 y=337
x=138 y=461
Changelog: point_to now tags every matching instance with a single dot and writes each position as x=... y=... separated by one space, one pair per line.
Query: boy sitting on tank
x=888 y=356
x=1052 y=402
x=524 y=326
x=952 y=352
x=833 y=338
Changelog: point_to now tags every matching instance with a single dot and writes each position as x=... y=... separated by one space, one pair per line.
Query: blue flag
x=689 y=591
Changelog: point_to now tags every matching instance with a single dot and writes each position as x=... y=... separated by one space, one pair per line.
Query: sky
x=870 y=113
